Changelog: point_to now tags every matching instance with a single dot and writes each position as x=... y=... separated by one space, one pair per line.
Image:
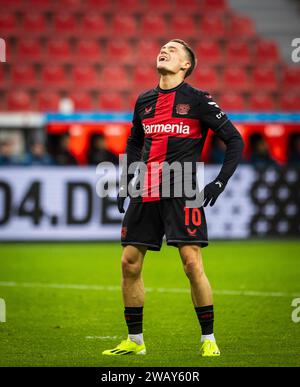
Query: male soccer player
x=170 y=124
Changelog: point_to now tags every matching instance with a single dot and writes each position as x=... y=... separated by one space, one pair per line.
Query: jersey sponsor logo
x=182 y=108
x=166 y=128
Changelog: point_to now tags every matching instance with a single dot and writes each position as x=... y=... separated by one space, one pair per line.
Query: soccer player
x=170 y=123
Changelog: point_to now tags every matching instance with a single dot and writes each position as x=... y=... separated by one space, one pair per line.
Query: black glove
x=212 y=192
x=121 y=200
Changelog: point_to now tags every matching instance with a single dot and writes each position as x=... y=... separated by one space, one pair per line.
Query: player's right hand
x=121 y=199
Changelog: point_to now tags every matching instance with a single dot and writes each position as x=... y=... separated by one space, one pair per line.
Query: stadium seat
x=85 y=77
x=39 y=5
x=160 y=6
x=19 y=101
x=232 y=102
x=186 y=6
x=238 y=52
x=147 y=51
x=124 y=26
x=209 y=52
x=34 y=24
x=206 y=78
x=261 y=102
x=115 y=78
x=64 y=24
x=29 y=50
x=145 y=77
x=129 y=6
x=23 y=75
x=74 y=5
x=130 y=101
x=82 y=101
x=58 y=51
x=93 y=26
x=214 y=6
x=88 y=51
x=183 y=25
x=100 y=5
x=119 y=51
x=264 y=78
x=241 y=27
x=291 y=78
x=53 y=75
x=266 y=52
x=290 y=102
x=212 y=27
x=235 y=78
x=12 y=5
x=110 y=101
x=8 y=25
x=48 y=101
x=153 y=26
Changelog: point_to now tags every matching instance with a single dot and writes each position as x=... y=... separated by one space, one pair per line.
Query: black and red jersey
x=171 y=125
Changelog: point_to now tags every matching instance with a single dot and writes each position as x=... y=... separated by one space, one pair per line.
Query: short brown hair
x=191 y=55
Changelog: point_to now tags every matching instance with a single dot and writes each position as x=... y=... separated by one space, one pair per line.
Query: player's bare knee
x=193 y=269
x=131 y=266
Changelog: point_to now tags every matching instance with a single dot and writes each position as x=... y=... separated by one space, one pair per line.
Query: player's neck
x=169 y=81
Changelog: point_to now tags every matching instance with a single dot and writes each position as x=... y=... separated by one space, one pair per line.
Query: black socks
x=134 y=319
x=205 y=316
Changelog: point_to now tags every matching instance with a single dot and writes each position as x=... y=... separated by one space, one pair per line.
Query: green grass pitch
x=64 y=305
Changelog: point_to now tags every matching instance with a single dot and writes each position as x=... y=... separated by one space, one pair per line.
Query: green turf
x=49 y=326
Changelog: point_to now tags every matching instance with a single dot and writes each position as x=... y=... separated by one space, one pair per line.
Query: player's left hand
x=212 y=192
x=121 y=199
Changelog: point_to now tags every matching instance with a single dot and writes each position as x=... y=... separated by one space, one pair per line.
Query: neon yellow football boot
x=126 y=347
x=209 y=348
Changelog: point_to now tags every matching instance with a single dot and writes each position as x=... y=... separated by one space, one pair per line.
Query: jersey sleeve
x=210 y=113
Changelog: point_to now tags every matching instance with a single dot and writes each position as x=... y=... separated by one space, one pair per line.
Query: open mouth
x=163 y=58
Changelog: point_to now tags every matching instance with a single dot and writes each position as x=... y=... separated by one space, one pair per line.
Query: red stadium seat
x=153 y=25
x=64 y=24
x=12 y=5
x=186 y=6
x=145 y=77
x=129 y=6
x=241 y=27
x=8 y=25
x=74 y=5
x=82 y=101
x=114 y=78
x=100 y=5
x=93 y=26
x=262 y=102
x=291 y=78
x=232 y=102
x=40 y=5
x=58 y=51
x=29 y=50
x=119 y=51
x=206 y=78
x=209 y=52
x=23 y=75
x=48 y=101
x=238 y=52
x=124 y=26
x=34 y=24
x=290 y=102
x=147 y=51
x=88 y=51
x=85 y=77
x=265 y=78
x=54 y=76
x=130 y=101
x=212 y=27
x=266 y=52
x=235 y=78
x=160 y=6
x=19 y=101
x=214 y=6
x=110 y=101
x=183 y=26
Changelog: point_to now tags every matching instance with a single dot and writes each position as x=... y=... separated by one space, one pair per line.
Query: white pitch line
x=251 y=293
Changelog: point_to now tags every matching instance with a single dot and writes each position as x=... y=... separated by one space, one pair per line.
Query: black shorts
x=146 y=224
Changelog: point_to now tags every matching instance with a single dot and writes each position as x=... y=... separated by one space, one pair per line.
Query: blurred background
x=68 y=83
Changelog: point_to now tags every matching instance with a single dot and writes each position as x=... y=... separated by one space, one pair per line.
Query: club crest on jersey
x=148 y=109
x=182 y=108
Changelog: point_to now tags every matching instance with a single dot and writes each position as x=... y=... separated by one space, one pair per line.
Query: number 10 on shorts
x=192 y=214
